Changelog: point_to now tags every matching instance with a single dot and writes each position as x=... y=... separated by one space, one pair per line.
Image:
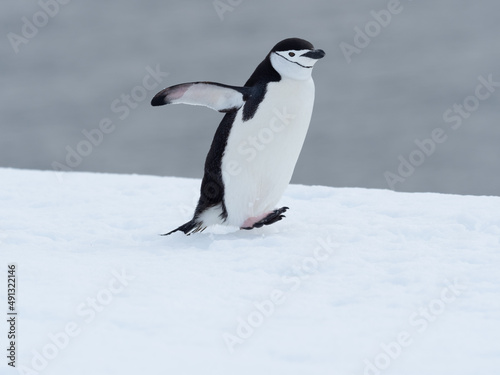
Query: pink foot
x=252 y=220
x=265 y=219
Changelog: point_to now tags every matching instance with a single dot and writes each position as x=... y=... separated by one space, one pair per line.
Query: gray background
x=367 y=113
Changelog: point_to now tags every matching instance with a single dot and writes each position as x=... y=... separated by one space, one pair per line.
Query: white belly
x=261 y=153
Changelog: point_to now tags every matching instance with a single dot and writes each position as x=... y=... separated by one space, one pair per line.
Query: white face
x=293 y=64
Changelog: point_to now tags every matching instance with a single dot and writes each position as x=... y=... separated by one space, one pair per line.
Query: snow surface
x=348 y=273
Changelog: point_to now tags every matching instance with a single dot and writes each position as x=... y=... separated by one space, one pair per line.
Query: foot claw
x=272 y=218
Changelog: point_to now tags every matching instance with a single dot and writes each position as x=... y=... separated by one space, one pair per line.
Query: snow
x=353 y=281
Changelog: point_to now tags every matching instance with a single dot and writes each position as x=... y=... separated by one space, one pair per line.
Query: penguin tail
x=190 y=227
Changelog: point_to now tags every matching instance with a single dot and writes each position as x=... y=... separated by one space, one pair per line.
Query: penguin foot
x=271 y=218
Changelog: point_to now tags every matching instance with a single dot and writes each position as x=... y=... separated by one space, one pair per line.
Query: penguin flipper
x=217 y=96
x=188 y=228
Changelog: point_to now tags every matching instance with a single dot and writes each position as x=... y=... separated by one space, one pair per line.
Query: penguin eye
x=291 y=54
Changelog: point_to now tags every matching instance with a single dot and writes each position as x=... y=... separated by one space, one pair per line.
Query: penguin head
x=294 y=58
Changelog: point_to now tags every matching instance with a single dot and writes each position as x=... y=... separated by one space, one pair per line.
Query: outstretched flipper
x=272 y=218
x=217 y=96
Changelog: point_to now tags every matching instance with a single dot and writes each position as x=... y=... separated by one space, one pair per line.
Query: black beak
x=315 y=54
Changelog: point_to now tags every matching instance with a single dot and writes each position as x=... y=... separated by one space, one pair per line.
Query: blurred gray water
x=368 y=113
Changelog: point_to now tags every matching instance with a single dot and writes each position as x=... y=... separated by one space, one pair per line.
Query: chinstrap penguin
x=257 y=144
